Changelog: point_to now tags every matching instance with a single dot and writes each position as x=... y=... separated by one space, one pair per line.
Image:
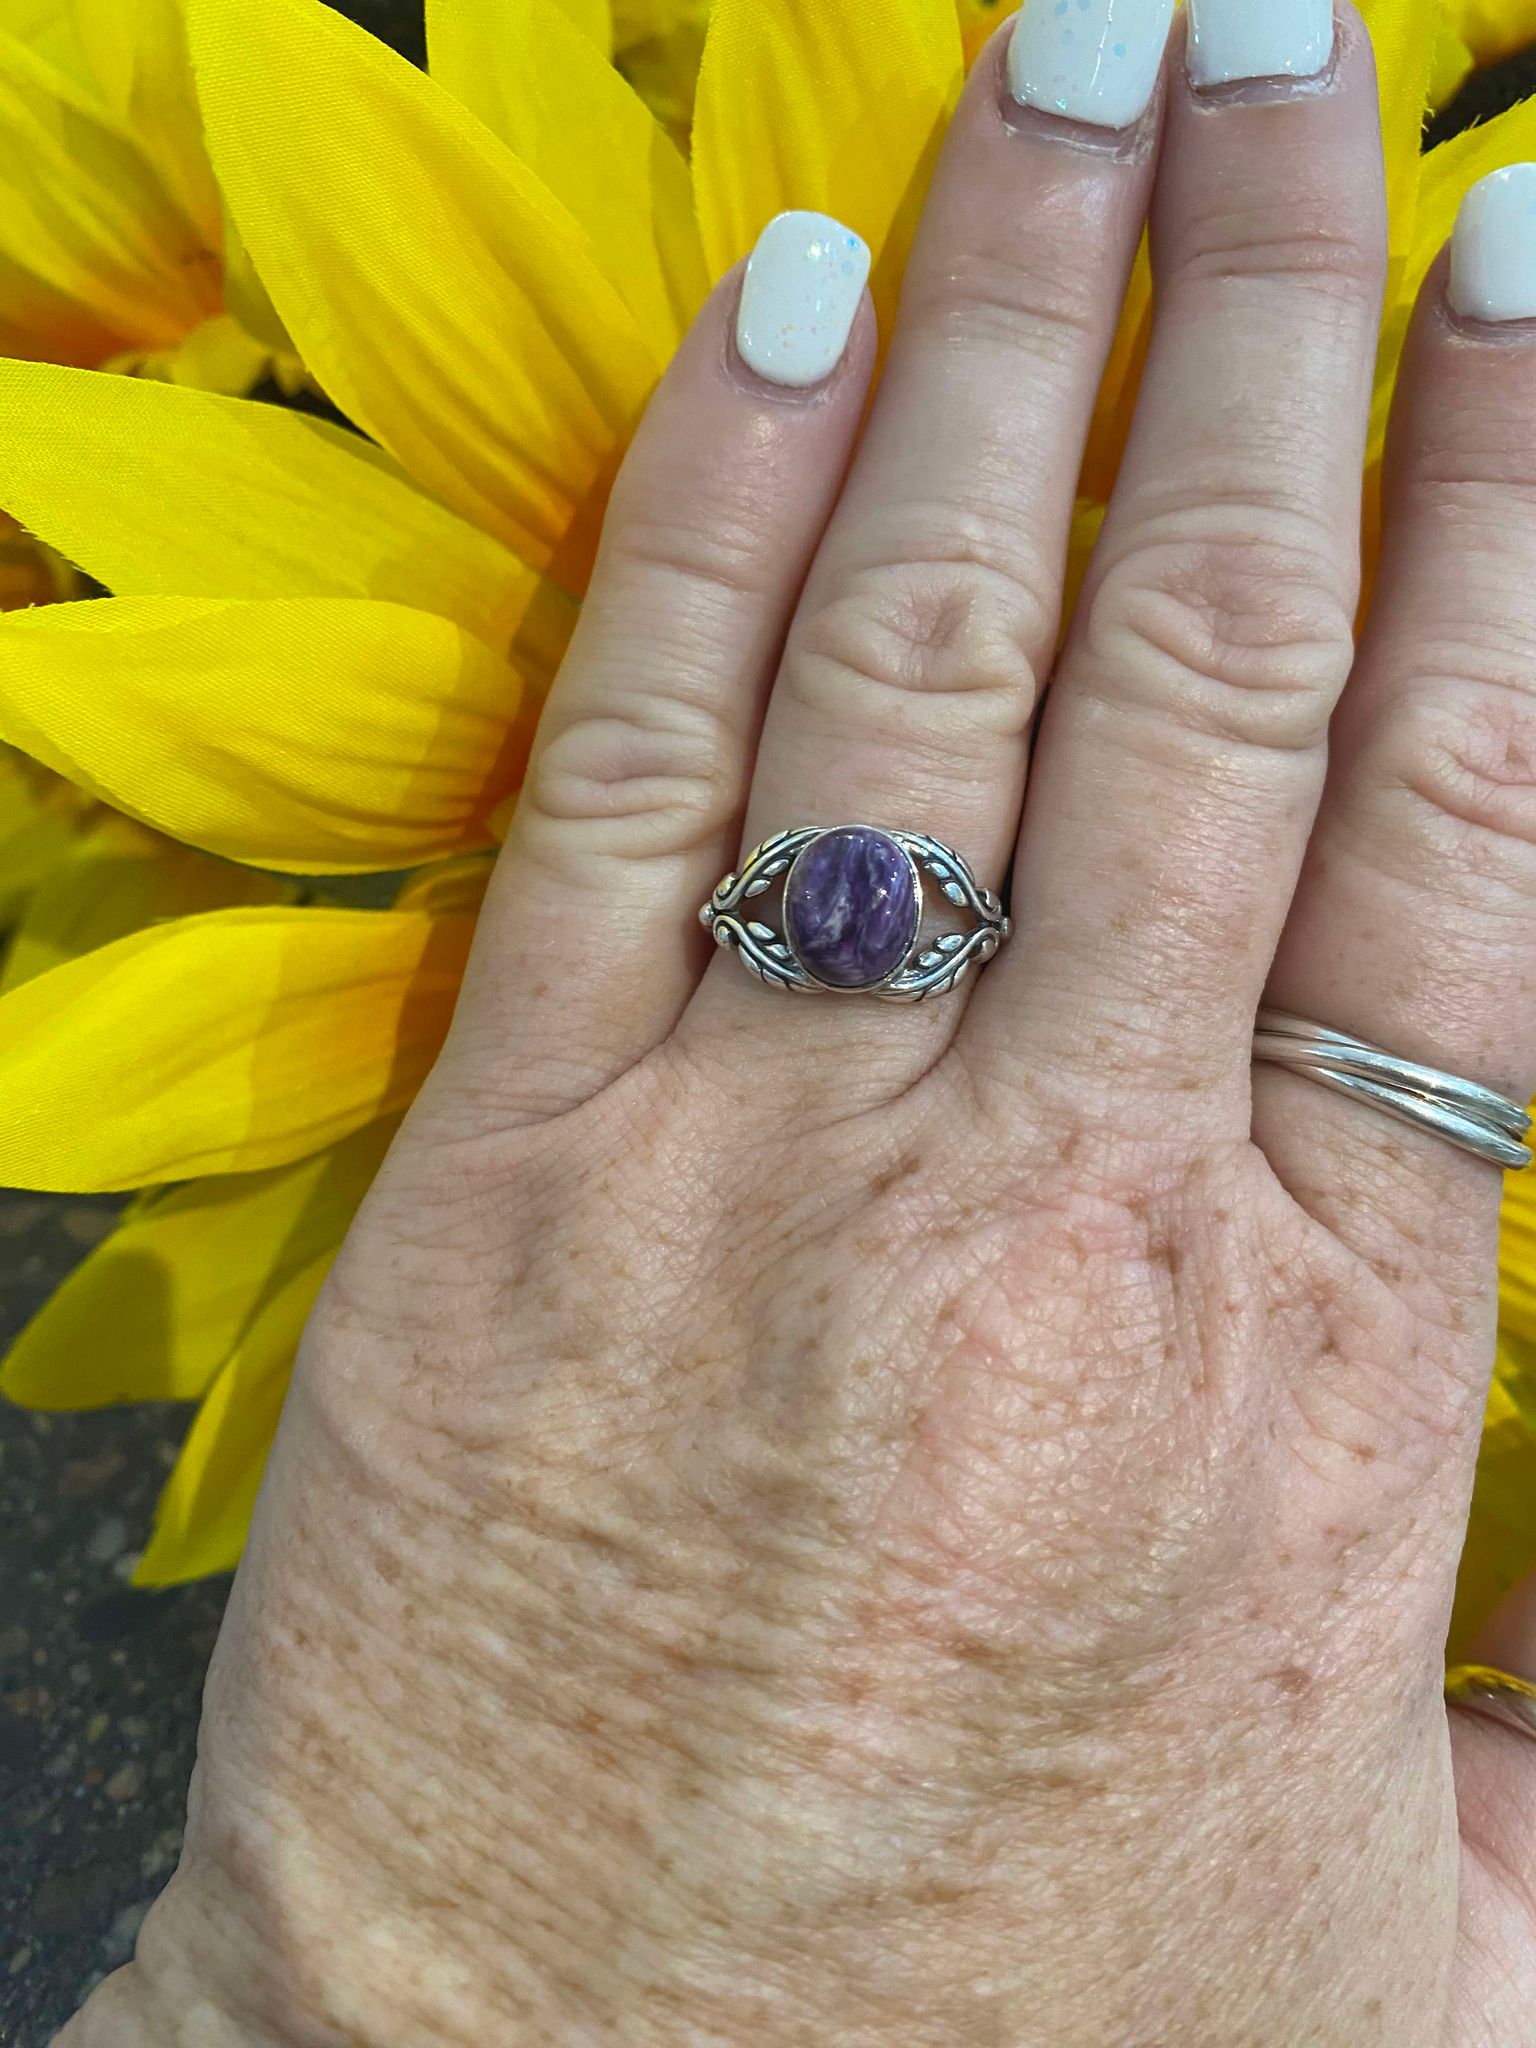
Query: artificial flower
x=325 y=654
x=1494 y=29
x=113 y=253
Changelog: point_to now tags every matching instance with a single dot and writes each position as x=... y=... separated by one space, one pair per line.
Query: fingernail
x=1089 y=60
x=1235 y=40
x=800 y=297
x=1493 y=251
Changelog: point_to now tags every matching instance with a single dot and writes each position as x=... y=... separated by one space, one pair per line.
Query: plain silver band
x=1474 y=1119
x=1494 y=1695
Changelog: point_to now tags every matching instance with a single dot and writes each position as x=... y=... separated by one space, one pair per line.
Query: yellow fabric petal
x=155 y=1312
x=1501 y=1537
x=43 y=324
x=30 y=572
x=664 y=71
x=640 y=21
x=978 y=18
x=136 y=51
x=246 y=298
x=1448 y=173
x=1452 y=65
x=173 y=492
x=221 y=1044
x=543 y=86
x=314 y=735
x=41 y=815
x=838 y=109
x=1495 y=29
x=449 y=887
x=1404 y=33
x=205 y=1509
x=595 y=20
x=86 y=215
x=218 y=356
x=1087 y=525
x=1517 y=1259
x=117 y=878
x=434 y=287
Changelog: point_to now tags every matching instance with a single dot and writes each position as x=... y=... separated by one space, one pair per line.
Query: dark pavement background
x=100 y=1685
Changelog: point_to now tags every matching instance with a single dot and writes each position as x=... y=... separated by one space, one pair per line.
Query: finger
x=1415 y=921
x=1495 y=1993
x=589 y=945
x=1181 y=755
x=910 y=680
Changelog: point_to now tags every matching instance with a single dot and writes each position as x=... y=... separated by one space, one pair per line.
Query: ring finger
x=1413 y=925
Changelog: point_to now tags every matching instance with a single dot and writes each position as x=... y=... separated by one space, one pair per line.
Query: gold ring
x=1495 y=1695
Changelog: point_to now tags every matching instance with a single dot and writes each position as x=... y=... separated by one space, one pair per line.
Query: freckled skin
x=722 y=1490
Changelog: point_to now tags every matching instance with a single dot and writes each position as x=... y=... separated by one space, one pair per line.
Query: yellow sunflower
x=113 y=254
x=325 y=654
x=113 y=245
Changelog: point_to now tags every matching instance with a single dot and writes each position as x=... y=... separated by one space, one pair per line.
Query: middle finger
x=928 y=623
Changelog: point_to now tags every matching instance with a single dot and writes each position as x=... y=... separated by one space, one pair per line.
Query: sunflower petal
x=449 y=887
x=1452 y=66
x=86 y=215
x=536 y=80
x=1501 y=1536
x=1517 y=1260
x=1495 y=29
x=836 y=109
x=1404 y=34
x=116 y=878
x=203 y=718
x=136 y=51
x=155 y=1312
x=41 y=816
x=205 y=1510
x=432 y=284
x=218 y=356
x=1448 y=174
x=221 y=1044
x=173 y=492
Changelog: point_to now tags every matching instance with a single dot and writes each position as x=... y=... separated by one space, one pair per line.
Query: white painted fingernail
x=1493 y=251
x=1089 y=60
x=1233 y=40
x=800 y=297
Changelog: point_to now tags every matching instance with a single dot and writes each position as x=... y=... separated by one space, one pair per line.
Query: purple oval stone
x=851 y=907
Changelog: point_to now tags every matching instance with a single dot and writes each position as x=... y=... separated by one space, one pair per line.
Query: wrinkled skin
x=812 y=1523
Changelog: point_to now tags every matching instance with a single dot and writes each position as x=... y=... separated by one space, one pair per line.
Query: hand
x=812 y=1522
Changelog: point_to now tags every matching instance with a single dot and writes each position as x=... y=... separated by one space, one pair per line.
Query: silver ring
x=1474 y=1119
x=849 y=914
x=1493 y=1695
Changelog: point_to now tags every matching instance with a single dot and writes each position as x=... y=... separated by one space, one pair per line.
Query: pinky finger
x=589 y=946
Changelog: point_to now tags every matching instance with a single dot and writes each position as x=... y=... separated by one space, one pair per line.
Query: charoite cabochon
x=852 y=907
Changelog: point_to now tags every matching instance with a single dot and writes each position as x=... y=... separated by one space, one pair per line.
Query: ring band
x=1494 y=1695
x=850 y=914
x=1474 y=1119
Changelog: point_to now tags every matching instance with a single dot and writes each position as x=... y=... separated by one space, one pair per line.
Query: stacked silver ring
x=1475 y=1119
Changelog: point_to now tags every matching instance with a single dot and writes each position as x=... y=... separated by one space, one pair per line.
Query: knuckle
x=1044 y=301
x=655 y=777
x=1463 y=753
x=949 y=626
x=709 y=563
x=1329 y=242
x=1244 y=640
